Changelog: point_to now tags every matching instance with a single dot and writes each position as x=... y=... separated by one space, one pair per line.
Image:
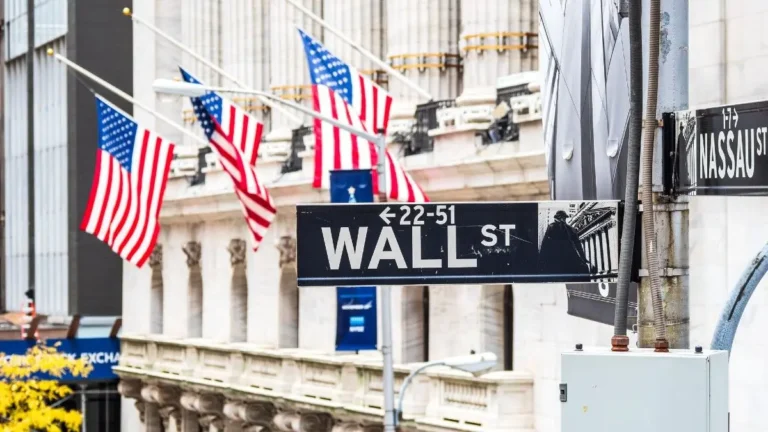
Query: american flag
x=341 y=92
x=132 y=165
x=235 y=136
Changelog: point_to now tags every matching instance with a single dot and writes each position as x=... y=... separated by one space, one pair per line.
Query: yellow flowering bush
x=29 y=385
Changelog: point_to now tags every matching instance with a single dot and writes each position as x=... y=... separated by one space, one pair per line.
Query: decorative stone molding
x=167 y=412
x=236 y=250
x=287 y=248
x=208 y=420
x=193 y=251
x=206 y=403
x=260 y=413
x=161 y=395
x=129 y=388
x=316 y=422
x=309 y=391
x=287 y=421
x=141 y=407
x=156 y=257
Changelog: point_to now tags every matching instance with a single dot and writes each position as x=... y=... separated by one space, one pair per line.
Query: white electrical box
x=644 y=391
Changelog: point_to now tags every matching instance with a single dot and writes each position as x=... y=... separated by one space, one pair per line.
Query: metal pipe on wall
x=670 y=215
x=2 y=166
x=620 y=341
x=30 y=59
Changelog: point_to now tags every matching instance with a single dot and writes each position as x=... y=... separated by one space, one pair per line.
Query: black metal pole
x=31 y=144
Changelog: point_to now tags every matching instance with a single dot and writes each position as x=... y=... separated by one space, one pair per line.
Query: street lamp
x=476 y=364
x=183 y=88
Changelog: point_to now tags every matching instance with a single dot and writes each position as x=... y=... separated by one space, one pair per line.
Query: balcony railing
x=348 y=387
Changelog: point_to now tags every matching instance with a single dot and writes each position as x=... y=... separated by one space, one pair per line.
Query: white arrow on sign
x=736 y=120
x=385 y=215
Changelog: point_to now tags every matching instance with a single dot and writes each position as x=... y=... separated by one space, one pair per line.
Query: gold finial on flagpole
x=127 y=11
x=49 y=51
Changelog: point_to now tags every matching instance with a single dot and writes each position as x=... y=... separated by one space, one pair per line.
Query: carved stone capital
x=232 y=410
x=167 y=412
x=236 y=250
x=287 y=421
x=129 y=388
x=316 y=422
x=202 y=403
x=192 y=250
x=141 y=407
x=287 y=247
x=161 y=395
x=261 y=413
x=208 y=420
x=156 y=257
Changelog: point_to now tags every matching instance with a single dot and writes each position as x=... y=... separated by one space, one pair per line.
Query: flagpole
x=85 y=72
x=388 y=369
x=372 y=57
x=127 y=12
x=196 y=90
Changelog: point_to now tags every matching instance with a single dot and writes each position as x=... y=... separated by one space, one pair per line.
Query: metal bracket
x=666 y=272
x=624 y=8
x=563 y=392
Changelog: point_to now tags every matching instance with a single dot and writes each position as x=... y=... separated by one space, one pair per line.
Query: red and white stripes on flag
x=235 y=136
x=132 y=165
x=340 y=92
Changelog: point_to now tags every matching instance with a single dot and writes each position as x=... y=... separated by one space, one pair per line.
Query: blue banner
x=101 y=353
x=351 y=186
x=356 y=326
x=356 y=323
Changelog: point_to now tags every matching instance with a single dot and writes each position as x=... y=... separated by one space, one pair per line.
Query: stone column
x=211 y=423
x=289 y=73
x=464 y=318
x=189 y=421
x=162 y=403
x=239 y=292
x=194 y=291
x=152 y=421
x=422 y=43
x=495 y=44
x=171 y=418
x=156 y=291
x=131 y=389
x=362 y=21
x=246 y=23
x=273 y=296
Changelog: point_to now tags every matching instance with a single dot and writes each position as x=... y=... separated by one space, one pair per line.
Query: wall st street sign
x=457 y=243
x=718 y=151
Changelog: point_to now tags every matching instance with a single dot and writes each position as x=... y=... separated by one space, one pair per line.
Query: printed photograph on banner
x=684 y=172
x=579 y=238
x=597 y=302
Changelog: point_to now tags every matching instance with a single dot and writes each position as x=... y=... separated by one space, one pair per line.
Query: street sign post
x=457 y=243
x=718 y=151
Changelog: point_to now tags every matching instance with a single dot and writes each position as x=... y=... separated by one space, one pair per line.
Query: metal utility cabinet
x=642 y=391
